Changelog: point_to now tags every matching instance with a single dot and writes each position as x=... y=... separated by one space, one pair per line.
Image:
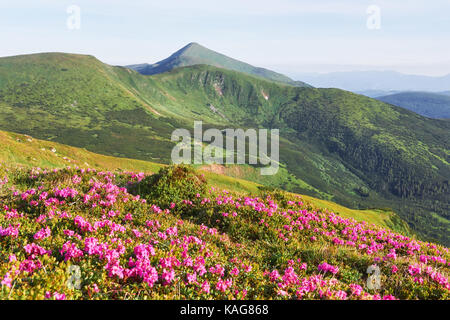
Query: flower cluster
x=215 y=246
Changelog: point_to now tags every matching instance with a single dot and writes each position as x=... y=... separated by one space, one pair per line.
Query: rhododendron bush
x=212 y=244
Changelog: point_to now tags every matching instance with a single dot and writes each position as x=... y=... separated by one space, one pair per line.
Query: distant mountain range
x=381 y=93
x=377 y=93
x=427 y=96
x=195 y=54
x=372 y=82
x=428 y=104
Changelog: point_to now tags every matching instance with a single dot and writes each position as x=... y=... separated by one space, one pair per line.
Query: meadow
x=83 y=233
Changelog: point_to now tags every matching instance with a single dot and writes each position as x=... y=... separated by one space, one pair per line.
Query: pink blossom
x=205 y=287
x=42 y=234
x=191 y=277
x=168 y=276
x=328 y=268
x=224 y=285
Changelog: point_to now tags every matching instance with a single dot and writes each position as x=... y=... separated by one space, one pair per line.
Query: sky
x=288 y=36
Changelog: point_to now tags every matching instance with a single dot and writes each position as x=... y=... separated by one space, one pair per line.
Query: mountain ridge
x=195 y=54
x=432 y=105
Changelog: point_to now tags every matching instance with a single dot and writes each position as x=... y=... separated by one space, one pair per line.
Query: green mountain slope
x=334 y=144
x=19 y=150
x=79 y=101
x=432 y=105
x=194 y=54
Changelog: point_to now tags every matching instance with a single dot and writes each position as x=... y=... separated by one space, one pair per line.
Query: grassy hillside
x=19 y=150
x=337 y=142
x=80 y=101
x=195 y=54
x=30 y=152
x=334 y=145
x=87 y=234
x=432 y=105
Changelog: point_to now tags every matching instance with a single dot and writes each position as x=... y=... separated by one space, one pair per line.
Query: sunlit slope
x=78 y=100
x=23 y=150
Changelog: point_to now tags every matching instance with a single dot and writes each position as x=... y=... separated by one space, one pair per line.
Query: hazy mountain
x=334 y=144
x=194 y=54
x=376 y=81
x=381 y=93
x=376 y=93
x=428 y=104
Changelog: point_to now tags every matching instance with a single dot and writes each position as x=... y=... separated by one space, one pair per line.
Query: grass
x=380 y=217
x=26 y=151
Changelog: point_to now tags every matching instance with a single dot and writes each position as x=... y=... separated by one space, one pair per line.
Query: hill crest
x=195 y=54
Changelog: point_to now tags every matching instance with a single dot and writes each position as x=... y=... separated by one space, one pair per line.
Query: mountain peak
x=192 y=48
x=194 y=54
x=193 y=44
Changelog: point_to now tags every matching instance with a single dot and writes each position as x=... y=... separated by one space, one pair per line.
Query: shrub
x=171 y=185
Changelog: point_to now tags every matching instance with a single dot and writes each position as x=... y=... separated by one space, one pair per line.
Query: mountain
x=428 y=104
x=376 y=93
x=381 y=93
x=359 y=81
x=334 y=145
x=194 y=54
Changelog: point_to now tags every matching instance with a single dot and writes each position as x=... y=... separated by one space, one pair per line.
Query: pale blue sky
x=290 y=36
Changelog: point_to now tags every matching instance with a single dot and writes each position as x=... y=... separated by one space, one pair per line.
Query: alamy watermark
x=374 y=19
x=74 y=280
x=73 y=21
x=227 y=146
x=374 y=278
